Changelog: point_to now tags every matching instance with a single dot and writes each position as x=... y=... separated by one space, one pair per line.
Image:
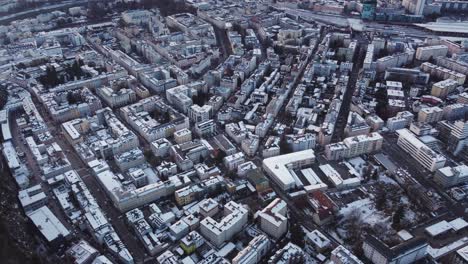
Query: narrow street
x=343 y=114
x=113 y=215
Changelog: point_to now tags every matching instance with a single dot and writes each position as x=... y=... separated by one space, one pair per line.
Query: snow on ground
x=410 y=215
x=358 y=164
x=367 y=211
x=404 y=200
x=385 y=179
x=335 y=236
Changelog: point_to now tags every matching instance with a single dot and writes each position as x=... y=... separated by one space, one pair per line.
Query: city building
x=280 y=167
x=401 y=120
x=290 y=253
x=341 y=255
x=450 y=176
x=257 y=248
x=407 y=252
x=232 y=161
x=430 y=114
x=443 y=88
x=354 y=146
x=273 y=218
x=200 y=113
x=235 y=218
x=431 y=52
x=425 y=156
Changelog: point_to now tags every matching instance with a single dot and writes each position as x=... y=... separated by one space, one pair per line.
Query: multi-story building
x=401 y=120
x=411 y=76
x=193 y=192
x=420 y=129
x=375 y=122
x=232 y=161
x=460 y=256
x=407 y=252
x=419 y=151
x=290 y=253
x=341 y=255
x=129 y=159
x=257 y=248
x=180 y=97
x=430 y=114
x=454 y=135
x=354 y=146
x=189 y=153
x=443 y=88
x=428 y=52
x=451 y=176
x=463 y=98
x=452 y=64
x=280 y=167
x=136 y=16
x=138 y=115
x=126 y=198
x=455 y=111
x=119 y=139
x=443 y=73
x=182 y=136
x=273 y=218
x=160 y=147
x=32 y=198
x=191 y=242
x=200 y=113
x=208 y=207
x=116 y=98
x=235 y=218
x=271 y=147
x=205 y=128
x=300 y=142
x=356 y=125
x=67 y=105
x=250 y=144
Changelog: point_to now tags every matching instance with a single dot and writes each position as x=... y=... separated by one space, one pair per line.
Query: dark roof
x=400 y=249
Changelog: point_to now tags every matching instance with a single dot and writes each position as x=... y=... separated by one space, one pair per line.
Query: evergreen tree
x=381 y=200
x=397 y=216
x=297 y=234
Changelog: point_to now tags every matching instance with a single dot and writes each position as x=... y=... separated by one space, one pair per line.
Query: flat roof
x=48 y=223
x=278 y=165
x=449 y=27
x=385 y=161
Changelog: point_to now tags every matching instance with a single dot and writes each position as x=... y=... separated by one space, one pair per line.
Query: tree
x=367 y=173
x=220 y=156
x=51 y=78
x=147 y=4
x=397 y=216
x=61 y=22
x=380 y=200
x=297 y=234
x=200 y=99
x=3 y=97
x=151 y=158
x=71 y=98
x=284 y=147
x=375 y=175
x=76 y=69
x=96 y=9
